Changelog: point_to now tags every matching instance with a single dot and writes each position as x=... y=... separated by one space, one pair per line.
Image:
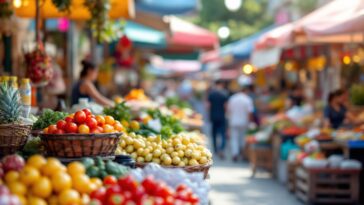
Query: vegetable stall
x=119 y=156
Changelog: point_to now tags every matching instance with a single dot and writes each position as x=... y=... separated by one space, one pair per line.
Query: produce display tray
x=69 y=160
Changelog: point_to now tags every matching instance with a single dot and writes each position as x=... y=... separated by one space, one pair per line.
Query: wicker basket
x=80 y=145
x=190 y=169
x=13 y=137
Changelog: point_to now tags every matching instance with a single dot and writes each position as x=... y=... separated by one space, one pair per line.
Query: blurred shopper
x=253 y=95
x=336 y=113
x=85 y=87
x=217 y=99
x=240 y=110
x=296 y=97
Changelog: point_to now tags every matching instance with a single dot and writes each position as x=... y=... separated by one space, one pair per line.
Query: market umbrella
x=336 y=17
x=278 y=37
x=119 y=9
x=167 y=7
x=242 y=49
x=186 y=34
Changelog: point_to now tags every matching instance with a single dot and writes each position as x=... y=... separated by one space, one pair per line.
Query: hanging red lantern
x=123 y=52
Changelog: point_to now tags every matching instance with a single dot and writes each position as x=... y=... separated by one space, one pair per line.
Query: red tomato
x=52 y=129
x=128 y=183
x=91 y=122
x=71 y=127
x=164 y=191
x=98 y=194
x=113 y=189
x=69 y=119
x=87 y=112
x=149 y=185
x=116 y=199
x=181 y=187
x=193 y=199
x=61 y=124
x=110 y=180
x=59 y=131
x=80 y=117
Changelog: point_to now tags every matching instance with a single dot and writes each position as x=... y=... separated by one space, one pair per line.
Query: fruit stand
x=112 y=158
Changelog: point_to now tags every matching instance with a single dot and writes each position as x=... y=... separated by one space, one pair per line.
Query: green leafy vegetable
x=176 y=101
x=120 y=112
x=170 y=125
x=48 y=117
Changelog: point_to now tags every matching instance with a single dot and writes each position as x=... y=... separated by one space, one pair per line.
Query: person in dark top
x=336 y=113
x=217 y=99
x=296 y=97
x=85 y=87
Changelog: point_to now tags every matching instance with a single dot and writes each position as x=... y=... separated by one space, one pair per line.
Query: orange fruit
x=36 y=161
x=17 y=188
x=36 y=201
x=134 y=125
x=109 y=120
x=100 y=120
x=83 y=129
x=61 y=181
x=96 y=181
x=118 y=127
x=29 y=175
x=11 y=176
x=76 y=168
x=45 y=130
x=22 y=199
x=51 y=167
x=69 y=196
x=108 y=128
x=81 y=183
x=42 y=188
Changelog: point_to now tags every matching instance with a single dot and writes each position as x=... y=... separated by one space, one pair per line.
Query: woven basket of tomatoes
x=82 y=134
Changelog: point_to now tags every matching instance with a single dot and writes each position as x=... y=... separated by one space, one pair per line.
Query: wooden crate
x=291 y=172
x=261 y=157
x=327 y=186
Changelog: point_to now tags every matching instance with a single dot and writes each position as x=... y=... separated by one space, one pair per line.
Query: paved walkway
x=232 y=185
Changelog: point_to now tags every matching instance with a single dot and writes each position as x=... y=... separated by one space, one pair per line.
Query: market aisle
x=231 y=185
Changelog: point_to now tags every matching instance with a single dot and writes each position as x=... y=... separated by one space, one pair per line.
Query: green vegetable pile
x=170 y=125
x=120 y=112
x=32 y=147
x=357 y=94
x=48 y=117
x=176 y=101
x=98 y=168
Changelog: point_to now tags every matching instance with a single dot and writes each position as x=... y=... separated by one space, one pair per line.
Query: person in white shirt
x=240 y=108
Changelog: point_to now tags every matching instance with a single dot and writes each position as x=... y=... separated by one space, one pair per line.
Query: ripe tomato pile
x=150 y=191
x=84 y=122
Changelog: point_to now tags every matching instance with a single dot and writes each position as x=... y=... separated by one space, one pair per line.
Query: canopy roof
x=336 y=17
x=145 y=37
x=186 y=34
x=167 y=7
x=277 y=37
x=119 y=9
x=242 y=48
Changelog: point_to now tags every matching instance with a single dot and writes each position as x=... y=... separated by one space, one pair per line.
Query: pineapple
x=9 y=104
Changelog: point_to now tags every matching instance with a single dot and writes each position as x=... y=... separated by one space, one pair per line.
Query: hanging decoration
x=123 y=55
x=62 y=5
x=5 y=9
x=105 y=30
x=38 y=64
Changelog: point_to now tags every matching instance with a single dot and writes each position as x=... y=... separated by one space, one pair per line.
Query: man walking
x=240 y=108
x=217 y=99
